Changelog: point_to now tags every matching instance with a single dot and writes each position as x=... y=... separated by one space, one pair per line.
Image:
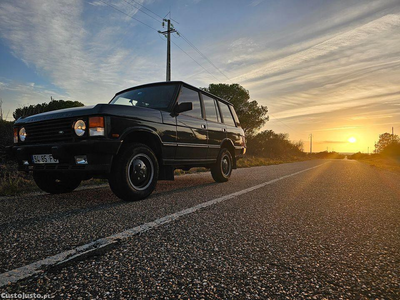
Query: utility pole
x=167 y=34
x=392 y=134
x=310 y=143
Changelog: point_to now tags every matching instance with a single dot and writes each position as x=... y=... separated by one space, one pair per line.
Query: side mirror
x=182 y=107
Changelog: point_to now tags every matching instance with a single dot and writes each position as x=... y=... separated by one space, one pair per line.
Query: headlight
x=22 y=134
x=80 y=127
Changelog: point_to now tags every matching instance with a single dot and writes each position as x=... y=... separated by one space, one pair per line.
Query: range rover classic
x=142 y=135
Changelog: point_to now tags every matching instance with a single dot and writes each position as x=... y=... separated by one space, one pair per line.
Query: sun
x=352 y=140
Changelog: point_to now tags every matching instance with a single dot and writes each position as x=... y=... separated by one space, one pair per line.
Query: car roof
x=175 y=82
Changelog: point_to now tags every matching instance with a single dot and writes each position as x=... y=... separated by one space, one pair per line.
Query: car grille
x=49 y=131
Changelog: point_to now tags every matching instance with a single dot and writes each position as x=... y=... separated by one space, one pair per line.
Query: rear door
x=191 y=128
x=233 y=132
x=216 y=129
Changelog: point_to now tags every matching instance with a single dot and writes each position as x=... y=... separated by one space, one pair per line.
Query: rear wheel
x=134 y=173
x=222 y=170
x=56 y=183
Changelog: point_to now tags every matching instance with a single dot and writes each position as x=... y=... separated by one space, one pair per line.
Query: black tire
x=222 y=170
x=134 y=160
x=56 y=183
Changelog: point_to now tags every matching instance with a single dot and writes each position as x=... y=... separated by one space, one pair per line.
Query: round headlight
x=80 y=127
x=22 y=134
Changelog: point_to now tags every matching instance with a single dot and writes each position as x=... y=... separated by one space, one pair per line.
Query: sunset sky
x=330 y=68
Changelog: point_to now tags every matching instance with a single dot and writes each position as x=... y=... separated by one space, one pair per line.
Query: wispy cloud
x=343 y=40
x=332 y=142
x=256 y=2
x=338 y=128
x=52 y=37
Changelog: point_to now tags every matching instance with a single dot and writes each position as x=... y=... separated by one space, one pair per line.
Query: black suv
x=141 y=136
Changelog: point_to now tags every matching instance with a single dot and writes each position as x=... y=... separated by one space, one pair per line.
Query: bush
x=13 y=182
x=269 y=144
x=6 y=137
x=326 y=155
x=392 y=150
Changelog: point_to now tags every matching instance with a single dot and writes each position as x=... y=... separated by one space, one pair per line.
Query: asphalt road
x=329 y=232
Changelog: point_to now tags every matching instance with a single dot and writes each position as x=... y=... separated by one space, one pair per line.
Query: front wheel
x=56 y=183
x=222 y=170
x=134 y=173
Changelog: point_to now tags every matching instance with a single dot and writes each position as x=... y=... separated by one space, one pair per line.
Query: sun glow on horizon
x=352 y=140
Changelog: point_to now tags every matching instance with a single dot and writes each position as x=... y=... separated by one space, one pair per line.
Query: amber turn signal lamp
x=96 y=122
x=15 y=135
x=96 y=126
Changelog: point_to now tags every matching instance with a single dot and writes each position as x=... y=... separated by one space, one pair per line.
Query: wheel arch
x=228 y=144
x=144 y=136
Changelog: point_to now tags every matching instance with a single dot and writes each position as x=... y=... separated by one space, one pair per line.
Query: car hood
x=99 y=109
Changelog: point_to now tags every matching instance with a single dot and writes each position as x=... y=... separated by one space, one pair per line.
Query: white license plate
x=44 y=159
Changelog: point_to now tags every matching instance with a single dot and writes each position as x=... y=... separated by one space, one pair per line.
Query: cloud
x=255 y=2
x=338 y=128
x=332 y=142
x=52 y=37
x=343 y=40
x=97 y=3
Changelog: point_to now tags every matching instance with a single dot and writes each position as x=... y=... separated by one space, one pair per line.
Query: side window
x=235 y=117
x=211 y=108
x=226 y=114
x=188 y=95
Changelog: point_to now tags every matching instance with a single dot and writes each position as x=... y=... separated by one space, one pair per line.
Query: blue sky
x=330 y=68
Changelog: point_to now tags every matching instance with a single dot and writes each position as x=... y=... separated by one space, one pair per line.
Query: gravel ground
x=32 y=228
x=332 y=232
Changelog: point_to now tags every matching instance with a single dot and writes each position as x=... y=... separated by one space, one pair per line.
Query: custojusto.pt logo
x=25 y=296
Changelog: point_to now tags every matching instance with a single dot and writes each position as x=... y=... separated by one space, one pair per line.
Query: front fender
x=137 y=129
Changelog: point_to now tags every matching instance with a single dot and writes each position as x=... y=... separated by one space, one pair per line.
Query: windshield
x=155 y=97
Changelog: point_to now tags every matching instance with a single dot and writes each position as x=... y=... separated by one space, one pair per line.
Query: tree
x=270 y=144
x=386 y=139
x=6 y=134
x=251 y=115
x=39 y=108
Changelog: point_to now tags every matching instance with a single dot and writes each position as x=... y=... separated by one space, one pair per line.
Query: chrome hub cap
x=140 y=171
x=225 y=164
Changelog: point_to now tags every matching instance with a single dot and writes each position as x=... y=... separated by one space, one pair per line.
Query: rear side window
x=211 y=108
x=235 y=117
x=188 y=95
x=226 y=114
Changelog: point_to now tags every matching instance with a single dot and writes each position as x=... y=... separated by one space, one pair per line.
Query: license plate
x=44 y=159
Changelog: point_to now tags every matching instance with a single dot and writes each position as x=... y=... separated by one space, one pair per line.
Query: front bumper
x=99 y=155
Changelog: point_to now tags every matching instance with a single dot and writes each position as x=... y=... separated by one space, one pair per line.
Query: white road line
x=63 y=258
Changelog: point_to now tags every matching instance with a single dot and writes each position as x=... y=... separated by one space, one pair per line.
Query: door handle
x=224 y=129
x=203 y=126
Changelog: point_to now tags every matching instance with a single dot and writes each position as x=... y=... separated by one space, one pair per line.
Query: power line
x=195 y=60
x=160 y=18
x=295 y=131
x=139 y=9
x=115 y=8
x=122 y=12
x=142 y=6
x=205 y=57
